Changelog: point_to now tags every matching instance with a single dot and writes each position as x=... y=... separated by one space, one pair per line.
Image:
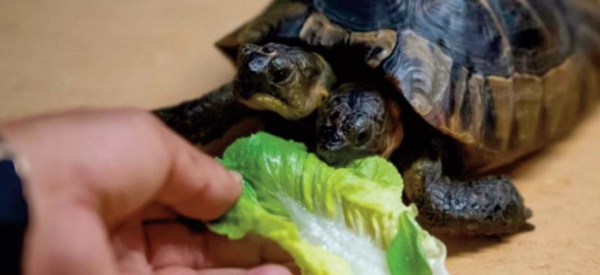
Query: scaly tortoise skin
x=491 y=80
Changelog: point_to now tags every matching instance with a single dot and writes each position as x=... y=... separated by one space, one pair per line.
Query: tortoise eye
x=362 y=137
x=280 y=75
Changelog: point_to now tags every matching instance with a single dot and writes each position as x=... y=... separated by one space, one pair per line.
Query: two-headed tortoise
x=448 y=89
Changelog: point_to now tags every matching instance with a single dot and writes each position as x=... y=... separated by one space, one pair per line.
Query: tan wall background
x=148 y=53
x=64 y=53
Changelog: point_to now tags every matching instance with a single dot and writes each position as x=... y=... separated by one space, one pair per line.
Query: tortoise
x=449 y=90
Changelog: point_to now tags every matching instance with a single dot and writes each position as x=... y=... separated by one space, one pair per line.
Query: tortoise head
x=357 y=121
x=280 y=78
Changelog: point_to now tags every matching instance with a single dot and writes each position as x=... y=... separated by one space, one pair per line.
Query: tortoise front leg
x=376 y=46
x=484 y=206
x=207 y=118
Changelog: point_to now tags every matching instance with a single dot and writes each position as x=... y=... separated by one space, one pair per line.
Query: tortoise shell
x=501 y=77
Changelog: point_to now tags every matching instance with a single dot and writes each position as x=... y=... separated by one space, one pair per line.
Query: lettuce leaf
x=331 y=220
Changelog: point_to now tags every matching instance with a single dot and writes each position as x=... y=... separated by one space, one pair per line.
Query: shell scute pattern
x=502 y=77
x=470 y=33
x=539 y=37
x=510 y=84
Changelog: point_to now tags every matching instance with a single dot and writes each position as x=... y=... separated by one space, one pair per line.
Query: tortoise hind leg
x=485 y=206
x=207 y=118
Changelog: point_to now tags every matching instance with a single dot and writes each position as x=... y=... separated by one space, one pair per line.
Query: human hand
x=103 y=188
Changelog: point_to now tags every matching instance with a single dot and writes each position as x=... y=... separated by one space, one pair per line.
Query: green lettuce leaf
x=332 y=221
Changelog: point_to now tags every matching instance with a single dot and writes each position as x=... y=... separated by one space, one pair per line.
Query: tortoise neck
x=327 y=77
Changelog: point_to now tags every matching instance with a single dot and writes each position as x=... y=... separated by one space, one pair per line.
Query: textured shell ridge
x=499 y=76
x=513 y=95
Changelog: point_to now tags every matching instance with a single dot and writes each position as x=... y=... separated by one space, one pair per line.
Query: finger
x=269 y=270
x=172 y=244
x=188 y=271
x=197 y=185
x=262 y=270
x=130 y=248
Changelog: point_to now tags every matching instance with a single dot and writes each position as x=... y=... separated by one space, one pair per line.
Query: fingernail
x=237 y=176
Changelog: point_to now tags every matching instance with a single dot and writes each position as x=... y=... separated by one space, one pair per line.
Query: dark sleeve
x=13 y=218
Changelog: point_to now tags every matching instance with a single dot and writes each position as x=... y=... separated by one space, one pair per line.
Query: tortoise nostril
x=329 y=136
x=335 y=138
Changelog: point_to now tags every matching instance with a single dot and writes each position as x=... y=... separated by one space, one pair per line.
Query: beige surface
x=148 y=53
